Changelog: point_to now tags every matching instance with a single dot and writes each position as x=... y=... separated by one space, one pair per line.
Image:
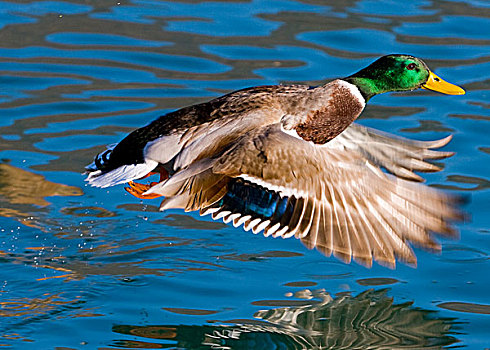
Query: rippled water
x=90 y=268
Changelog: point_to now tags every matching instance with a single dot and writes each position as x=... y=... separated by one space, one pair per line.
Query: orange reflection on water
x=23 y=193
x=29 y=307
x=19 y=186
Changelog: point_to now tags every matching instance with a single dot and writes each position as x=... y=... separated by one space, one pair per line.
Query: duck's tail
x=100 y=172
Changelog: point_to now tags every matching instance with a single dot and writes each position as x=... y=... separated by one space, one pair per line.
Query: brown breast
x=327 y=121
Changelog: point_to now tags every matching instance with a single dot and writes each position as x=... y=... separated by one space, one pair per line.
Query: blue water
x=88 y=268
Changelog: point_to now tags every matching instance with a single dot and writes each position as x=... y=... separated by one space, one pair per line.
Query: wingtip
x=346 y=258
x=439 y=143
x=446 y=139
x=367 y=262
x=391 y=264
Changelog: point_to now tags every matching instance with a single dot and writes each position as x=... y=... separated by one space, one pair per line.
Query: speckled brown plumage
x=271 y=97
x=326 y=123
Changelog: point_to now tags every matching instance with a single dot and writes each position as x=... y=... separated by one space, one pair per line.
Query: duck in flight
x=289 y=161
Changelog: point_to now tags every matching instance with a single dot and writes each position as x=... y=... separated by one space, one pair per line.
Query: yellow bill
x=435 y=83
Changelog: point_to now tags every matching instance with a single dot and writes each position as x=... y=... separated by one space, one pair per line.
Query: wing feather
x=340 y=234
x=325 y=238
x=359 y=243
x=310 y=237
x=340 y=200
x=334 y=198
x=398 y=155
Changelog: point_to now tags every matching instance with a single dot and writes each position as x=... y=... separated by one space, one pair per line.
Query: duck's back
x=179 y=138
x=165 y=133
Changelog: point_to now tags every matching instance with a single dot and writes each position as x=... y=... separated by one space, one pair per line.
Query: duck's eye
x=411 y=66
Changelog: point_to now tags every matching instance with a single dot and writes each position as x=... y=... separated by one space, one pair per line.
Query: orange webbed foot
x=137 y=190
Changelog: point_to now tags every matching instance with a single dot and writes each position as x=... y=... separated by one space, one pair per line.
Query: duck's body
x=287 y=159
x=204 y=130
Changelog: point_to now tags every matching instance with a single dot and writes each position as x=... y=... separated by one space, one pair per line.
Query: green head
x=399 y=73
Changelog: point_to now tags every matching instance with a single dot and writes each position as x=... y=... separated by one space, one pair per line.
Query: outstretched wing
x=336 y=199
x=398 y=155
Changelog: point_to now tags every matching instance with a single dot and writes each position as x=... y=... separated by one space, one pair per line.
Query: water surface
x=90 y=268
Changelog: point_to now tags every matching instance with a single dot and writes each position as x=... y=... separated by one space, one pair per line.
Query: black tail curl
x=102 y=159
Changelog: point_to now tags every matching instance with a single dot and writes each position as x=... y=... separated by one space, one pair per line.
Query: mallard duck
x=289 y=161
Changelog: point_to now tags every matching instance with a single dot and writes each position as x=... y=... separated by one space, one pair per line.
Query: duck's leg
x=138 y=190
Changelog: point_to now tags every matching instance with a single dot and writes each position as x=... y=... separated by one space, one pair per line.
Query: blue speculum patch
x=249 y=199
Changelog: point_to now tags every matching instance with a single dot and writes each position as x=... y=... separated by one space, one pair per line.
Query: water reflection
x=188 y=222
x=315 y=321
x=466 y=307
x=23 y=194
x=19 y=186
x=33 y=307
x=469 y=183
x=103 y=258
